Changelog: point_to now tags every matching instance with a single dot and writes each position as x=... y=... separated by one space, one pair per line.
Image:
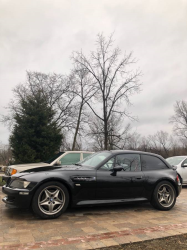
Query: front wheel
x=164 y=196
x=50 y=200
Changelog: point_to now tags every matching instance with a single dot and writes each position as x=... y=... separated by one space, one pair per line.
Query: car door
x=124 y=184
x=183 y=171
x=84 y=184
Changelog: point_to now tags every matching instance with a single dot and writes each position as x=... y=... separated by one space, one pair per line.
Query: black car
x=102 y=178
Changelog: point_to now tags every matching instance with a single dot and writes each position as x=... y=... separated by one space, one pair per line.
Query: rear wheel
x=50 y=200
x=164 y=196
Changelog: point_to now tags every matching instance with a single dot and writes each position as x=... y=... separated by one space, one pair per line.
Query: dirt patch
x=171 y=243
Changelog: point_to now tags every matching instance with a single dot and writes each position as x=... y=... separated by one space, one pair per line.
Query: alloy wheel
x=51 y=200
x=165 y=195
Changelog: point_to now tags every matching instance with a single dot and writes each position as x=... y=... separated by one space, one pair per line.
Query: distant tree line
x=85 y=109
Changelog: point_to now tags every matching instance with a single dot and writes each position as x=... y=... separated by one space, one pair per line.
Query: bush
x=2 y=182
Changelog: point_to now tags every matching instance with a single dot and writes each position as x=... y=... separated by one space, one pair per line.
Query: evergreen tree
x=35 y=136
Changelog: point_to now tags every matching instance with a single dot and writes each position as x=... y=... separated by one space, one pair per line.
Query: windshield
x=54 y=158
x=175 y=160
x=94 y=159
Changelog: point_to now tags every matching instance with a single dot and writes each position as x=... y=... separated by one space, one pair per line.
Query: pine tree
x=35 y=136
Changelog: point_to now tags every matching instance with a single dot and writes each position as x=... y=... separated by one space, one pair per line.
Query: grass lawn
x=1 y=182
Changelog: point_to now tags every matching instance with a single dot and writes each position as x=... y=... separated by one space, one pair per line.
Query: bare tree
x=176 y=147
x=83 y=90
x=113 y=79
x=144 y=144
x=96 y=133
x=54 y=88
x=164 y=142
x=134 y=141
x=5 y=154
x=179 y=119
x=118 y=134
x=160 y=143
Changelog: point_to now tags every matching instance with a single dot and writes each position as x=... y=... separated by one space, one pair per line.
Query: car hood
x=22 y=167
x=31 y=165
x=53 y=169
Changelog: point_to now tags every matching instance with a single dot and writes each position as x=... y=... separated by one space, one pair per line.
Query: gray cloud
x=41 y=35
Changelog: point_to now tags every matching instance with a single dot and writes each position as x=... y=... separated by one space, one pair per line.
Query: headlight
x=21 y=184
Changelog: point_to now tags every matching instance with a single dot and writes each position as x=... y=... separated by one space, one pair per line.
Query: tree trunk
x=105 y=135
x=77 y=127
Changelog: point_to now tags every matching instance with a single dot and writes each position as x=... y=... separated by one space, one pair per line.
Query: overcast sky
x=40 y=35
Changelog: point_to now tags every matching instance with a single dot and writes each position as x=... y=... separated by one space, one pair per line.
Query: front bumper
x=17 y=197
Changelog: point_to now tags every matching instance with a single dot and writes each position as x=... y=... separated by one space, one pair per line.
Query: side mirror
x=184 y=165
x=174 y=167
x=117 y=168
x=58 y=163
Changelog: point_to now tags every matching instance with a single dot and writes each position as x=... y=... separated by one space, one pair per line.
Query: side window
x=71 y=158
x=86 y=155
x=150 y=162
x=108 y=165
x=129 y=162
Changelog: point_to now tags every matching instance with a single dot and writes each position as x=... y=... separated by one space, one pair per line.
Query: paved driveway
x=90 y=228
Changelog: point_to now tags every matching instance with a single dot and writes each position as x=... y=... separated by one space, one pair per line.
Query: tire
x=164 y=196
x=50 y=200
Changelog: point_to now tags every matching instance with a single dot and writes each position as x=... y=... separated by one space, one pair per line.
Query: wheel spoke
x=160 y=192
x=47 y=193
x=56 y=193
x=45 y=200
x=51 y=206
x=44 y=203
x=161 y=199
x=58 y=201
x=164 y=189
x=167 y=198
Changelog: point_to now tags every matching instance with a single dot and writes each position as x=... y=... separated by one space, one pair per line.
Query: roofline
x=131 y=151
x=75 y=151
x=177 y=156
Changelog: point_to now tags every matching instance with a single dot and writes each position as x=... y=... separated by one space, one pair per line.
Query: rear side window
x=150 y=162
x=69 y=159
x=129 y=162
